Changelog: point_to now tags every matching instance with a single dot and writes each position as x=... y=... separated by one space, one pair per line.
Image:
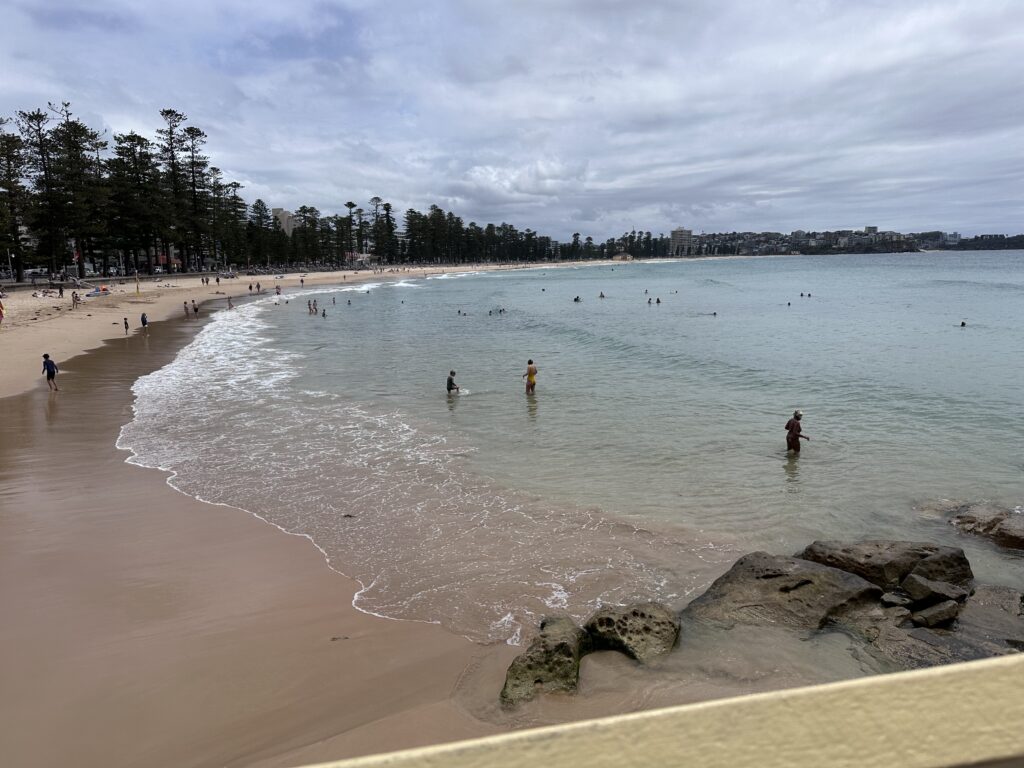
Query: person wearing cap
x=793 y=435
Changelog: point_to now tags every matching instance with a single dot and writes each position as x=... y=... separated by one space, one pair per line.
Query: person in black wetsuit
x=452 y=386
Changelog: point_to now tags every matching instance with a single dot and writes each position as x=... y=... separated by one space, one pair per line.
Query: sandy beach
x=145 y=627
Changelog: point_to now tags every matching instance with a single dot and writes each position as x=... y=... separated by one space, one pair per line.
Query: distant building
x=286 y=219
x=681 y=242
x=870 y=230
x=951 y=238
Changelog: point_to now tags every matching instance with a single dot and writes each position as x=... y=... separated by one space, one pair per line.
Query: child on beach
x=51 y=370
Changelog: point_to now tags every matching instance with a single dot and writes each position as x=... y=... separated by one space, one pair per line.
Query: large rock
x=927 y=592
x=643 y=631
x=551 y=663
x=887 y=563
x=1003 y=526
x=936 y=615
x=772 y=589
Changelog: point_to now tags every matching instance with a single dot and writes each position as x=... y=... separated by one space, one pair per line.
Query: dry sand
x=143 y=627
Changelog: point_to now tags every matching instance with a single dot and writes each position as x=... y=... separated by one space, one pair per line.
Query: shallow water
x=653 y=453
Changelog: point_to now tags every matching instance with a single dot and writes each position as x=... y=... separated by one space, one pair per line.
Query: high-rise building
x=681 y=242
x=286 y=219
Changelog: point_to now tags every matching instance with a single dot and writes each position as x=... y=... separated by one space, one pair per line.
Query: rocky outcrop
x=905 y=604
x=773 y=589
x=1003 y=526
x=642 y=632
x=930 y=614
x=887 y=563
x=551 y=663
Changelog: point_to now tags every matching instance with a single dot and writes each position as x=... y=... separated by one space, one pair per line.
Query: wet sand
x=141 y=626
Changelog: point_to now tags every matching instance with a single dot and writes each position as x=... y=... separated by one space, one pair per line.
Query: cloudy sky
x=590 y=116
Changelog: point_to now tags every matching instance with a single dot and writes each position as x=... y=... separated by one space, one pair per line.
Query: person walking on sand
x=230 y=303
x=195 y=308
x=126 y=326
x=793 y=430
x=531 y=377
x=1 y=313
x=51 y=370
x=145 y=322
x=452 y=386
x=185 y=305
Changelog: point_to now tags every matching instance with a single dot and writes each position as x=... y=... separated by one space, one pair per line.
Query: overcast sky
x=590 y=116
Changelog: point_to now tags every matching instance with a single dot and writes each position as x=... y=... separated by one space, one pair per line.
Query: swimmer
x=600 y=295
x=963 y=323
x=531 y=377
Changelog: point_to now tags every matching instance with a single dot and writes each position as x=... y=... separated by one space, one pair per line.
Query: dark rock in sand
x=1003 y=526
x=642 y=631
x=926 y=592
x=887 y=563
x=936 y=615
x=551 y=663
x=773 y=589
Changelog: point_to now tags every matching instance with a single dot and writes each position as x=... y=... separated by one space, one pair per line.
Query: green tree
x=14 y=199
x=170 y=149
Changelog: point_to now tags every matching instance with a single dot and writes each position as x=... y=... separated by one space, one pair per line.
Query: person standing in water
x=145 y=322
x=452 y=386
x=793 y=430
x=531 y=377
x=51 y=370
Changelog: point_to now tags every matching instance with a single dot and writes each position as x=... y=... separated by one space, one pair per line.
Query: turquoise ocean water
x=651 y=456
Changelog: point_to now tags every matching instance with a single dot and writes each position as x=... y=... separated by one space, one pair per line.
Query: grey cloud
x=573 y=114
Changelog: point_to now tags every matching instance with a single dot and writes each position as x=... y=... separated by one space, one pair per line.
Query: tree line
x=69 y=195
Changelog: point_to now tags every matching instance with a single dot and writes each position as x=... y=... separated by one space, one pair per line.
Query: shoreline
x=33 y=325
x=138 y=624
